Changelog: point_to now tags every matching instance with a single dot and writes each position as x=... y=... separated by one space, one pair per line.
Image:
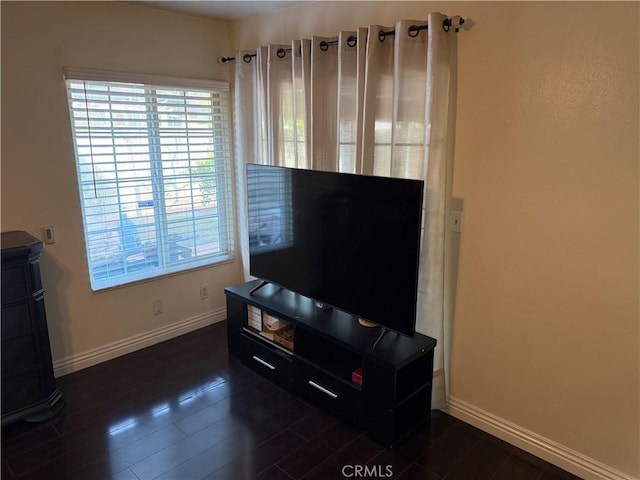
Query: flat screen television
x=348 y=241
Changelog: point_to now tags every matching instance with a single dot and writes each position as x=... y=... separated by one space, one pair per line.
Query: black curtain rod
x=246 y=57
x=413 y=31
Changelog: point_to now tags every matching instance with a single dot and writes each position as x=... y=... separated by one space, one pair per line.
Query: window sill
x=128 y=283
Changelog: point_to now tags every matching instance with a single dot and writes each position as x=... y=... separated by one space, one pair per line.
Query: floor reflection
x=151 y=433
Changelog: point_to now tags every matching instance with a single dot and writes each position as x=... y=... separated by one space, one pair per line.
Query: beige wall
x=548 y=286
x=38 y=169
x=546 y=327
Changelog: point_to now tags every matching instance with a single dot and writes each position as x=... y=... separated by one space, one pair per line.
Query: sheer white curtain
x=377 y=101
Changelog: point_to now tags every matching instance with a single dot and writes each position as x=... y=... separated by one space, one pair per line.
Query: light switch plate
x=456 y=221
x=48 y=235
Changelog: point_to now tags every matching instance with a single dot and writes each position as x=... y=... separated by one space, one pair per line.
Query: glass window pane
x=154 y=175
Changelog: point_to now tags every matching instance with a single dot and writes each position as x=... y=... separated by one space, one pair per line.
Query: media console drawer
x=269 y=362
x=329 y=391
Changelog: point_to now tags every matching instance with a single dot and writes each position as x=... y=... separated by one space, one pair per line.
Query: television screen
x=349 y=241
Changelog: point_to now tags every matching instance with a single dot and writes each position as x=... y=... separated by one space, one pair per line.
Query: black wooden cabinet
x=28 y=385
x=385 y=391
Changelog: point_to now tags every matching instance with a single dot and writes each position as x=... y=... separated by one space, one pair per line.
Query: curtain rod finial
x=456 y=23
x=466 y=24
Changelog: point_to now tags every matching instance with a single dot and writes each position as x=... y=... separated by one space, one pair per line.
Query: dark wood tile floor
x=183 y=409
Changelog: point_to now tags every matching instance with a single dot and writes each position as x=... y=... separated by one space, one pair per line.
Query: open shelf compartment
x=327 y=355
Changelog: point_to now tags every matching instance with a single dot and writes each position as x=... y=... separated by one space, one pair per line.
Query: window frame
x=224 y=197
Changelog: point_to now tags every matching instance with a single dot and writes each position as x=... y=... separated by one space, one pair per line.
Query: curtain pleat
x=301 y=119
x=439 y=141
x=247 y=120
x=409 y=96
x=324 y=103
x=347 y=107
x=376 y=106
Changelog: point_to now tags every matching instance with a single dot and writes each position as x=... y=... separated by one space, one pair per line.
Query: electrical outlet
x=204 y=292
x=157 y=307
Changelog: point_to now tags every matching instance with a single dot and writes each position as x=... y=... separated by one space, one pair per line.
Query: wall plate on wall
x=48 y=234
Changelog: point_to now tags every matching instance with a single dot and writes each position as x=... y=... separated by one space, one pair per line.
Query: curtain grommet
x=382 y=35
x=414 y=30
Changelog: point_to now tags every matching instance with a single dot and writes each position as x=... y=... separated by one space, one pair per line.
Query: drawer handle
x=266 y=364
x=322 y=389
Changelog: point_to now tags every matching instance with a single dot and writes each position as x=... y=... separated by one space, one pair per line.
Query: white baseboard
x=122 y=347
x=554 y=453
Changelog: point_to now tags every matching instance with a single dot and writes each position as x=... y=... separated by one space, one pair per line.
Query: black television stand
x=326 y=356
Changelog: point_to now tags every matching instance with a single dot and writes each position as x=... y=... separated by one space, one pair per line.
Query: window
x=153 y=164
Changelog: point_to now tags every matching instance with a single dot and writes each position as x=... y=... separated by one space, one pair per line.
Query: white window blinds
x=154 y=176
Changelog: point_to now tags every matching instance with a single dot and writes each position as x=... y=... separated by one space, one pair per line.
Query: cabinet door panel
x=269 y=362
x=327 y=390
x=18 y=354
x=16 y=319
x=14 y=282
x=21 y=391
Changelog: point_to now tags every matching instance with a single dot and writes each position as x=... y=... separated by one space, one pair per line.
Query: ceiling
x=221 y=10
